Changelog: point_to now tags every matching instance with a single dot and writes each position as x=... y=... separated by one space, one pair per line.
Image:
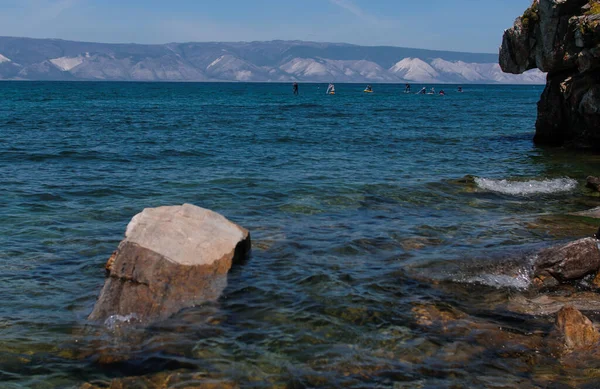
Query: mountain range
x=273 y=61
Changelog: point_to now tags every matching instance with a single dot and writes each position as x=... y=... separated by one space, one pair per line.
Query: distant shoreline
x=264 y=82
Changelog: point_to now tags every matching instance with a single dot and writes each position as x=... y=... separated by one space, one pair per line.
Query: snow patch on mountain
x=335 y=70
x=305 y=67
x=215 y=62
x=415 y=69
x=67 y=63
x=458 y=69
x=243 y=75
x=4 y=59
x=495 y=73
x=230 y=67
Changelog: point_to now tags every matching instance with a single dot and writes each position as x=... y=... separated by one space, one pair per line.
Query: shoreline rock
x=560 y=37
x=171 y=258
x=569 y=262
x=593 y=183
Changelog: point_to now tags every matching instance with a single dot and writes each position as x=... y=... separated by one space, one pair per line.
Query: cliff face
x=562 y=38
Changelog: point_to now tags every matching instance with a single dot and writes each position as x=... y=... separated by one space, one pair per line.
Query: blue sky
x=458 y=25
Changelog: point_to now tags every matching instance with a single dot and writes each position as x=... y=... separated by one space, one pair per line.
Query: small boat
x=368 y=91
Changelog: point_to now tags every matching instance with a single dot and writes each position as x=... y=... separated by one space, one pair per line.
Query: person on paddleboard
x=295 y=87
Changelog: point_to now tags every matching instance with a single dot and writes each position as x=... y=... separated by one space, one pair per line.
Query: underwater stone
x=171 y=258
x=576 y=329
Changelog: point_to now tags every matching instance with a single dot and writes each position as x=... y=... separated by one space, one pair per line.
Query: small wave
x=116 y=321
x=524 y=188
x=520 y=281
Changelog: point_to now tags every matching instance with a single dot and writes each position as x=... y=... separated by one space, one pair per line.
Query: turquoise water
x=358 y=220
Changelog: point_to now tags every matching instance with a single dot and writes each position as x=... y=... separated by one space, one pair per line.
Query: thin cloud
x=354 y=9
x=46 y=10
x=56 y=8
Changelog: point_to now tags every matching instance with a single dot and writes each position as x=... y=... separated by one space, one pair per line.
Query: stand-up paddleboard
x=368 y=91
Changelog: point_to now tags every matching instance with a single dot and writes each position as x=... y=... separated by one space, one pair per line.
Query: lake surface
x=363 y=233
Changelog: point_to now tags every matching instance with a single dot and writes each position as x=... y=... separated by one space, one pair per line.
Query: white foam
x=525 y=188
x=521 y=280
x=4 y=59
x=115 y=321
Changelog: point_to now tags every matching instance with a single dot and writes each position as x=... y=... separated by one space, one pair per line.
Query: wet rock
x=549 y=304
x=593 y=183
x=596 y=281
x=593 y=213
x=569 y=262
x=171 y=258
x=545 y=282
x=577 y=330
x=466 y=180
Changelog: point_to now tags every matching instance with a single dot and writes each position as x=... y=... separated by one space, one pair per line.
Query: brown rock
x=428 y=315
x=549 y=304
x=163 y=380
x=171 y=258
x=596 y=281
x=569 y=262
x=593 y=183
x=591 y=213
x=577 y=330
x=543 y=281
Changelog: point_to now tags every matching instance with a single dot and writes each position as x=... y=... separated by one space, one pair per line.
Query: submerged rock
x=171 y=258
x=549 y=304
x=591 y=213
x=560 y=37
x=176 y=379
x=577 y=330
x=572 y=261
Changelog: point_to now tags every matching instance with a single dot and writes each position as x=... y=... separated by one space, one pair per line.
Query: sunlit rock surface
x=171 y=258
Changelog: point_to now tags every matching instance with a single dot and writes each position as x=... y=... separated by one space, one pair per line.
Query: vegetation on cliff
x=530 y=17
x=594 y=8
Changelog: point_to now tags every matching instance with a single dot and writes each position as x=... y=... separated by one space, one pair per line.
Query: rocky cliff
x=562 y=38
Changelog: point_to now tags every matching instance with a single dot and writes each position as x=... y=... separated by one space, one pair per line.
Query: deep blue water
x=353 y=206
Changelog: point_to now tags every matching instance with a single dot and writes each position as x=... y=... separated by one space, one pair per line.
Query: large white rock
x=187 y=235
x=171 y=258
